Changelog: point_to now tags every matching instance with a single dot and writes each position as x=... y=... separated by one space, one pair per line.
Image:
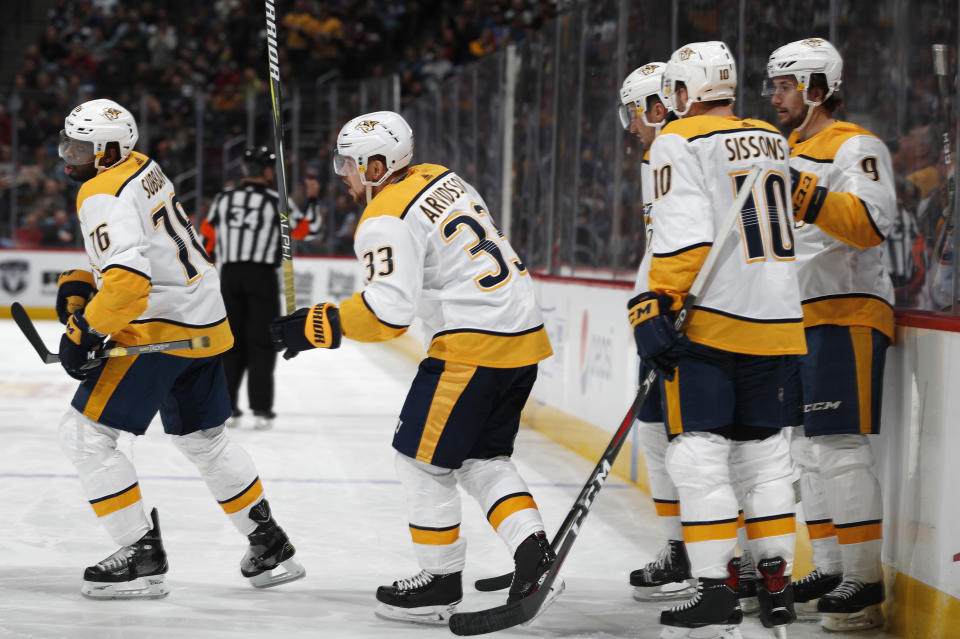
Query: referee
x=242 y=232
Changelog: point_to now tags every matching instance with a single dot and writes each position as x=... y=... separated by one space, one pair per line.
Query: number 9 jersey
x=156 y=283
x=431 y=249
x=752 y=303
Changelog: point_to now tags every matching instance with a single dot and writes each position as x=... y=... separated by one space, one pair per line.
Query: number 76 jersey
x=156 y=282
x=431 y=249
x=752 y=303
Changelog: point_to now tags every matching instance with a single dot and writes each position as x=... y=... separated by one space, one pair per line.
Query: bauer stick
x=30 y=332
x=286 y=246
x=507 y=615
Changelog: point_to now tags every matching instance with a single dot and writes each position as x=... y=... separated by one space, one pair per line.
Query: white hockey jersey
x=642 y=283
x=752 y=304
x=155 y=281
x=431 y=249
x=840 y=257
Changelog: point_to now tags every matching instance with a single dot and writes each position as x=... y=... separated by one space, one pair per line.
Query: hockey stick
x=518 y=612
x=944 y=244
x=286 y=246
x=29 y=331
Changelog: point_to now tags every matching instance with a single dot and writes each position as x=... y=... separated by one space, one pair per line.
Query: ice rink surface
x=327 y=469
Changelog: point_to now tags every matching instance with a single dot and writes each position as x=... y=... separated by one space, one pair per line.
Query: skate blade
x=152 y=587
x=555 y=590
x=869 y=617
x=718 y=631
x=425 y=615
x=807 y=610
x=666 y=592
x=749 y=605
x=292 y=570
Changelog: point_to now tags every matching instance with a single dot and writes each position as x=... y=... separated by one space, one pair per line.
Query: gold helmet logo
x=650 y=68
x=111 y=114
x=685 y=53
x=813 y=42
x=366 y=126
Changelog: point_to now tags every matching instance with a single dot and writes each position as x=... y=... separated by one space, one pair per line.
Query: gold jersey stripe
x=434 y=536
x=493 y=351
x=850 y=310
x=740 y=521
x=745 y=336
x=508 y=507
x=113 y=371
x=821 y=530
x=360 y=323
x=111 y=180
x=786 y=525
x=823 y=146
x=122 y=297
x=151 y=331
x=674 y=274
x=860 y=533
x=845 y=217
x=862 y=339
x=453 y=381
x=720 y=531
x=705 y=125
x=672 y=394
x=235 y=504
x=111 y=504
x=394 y=199
x=667 y=508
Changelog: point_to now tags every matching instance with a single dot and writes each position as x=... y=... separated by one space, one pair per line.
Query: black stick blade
x=492 y=584
x=29 y=331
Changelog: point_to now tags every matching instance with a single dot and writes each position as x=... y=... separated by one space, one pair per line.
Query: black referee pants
x=251 y=294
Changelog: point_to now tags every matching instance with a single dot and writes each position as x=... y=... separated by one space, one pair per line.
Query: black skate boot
x=533 y=558
x=713 y=608
x=853 y=605
x=424 y=598
x=667 y=577
x=133 y=572
x=269 y=548
x=808 y=589
x=747 y=592
x=775 y=594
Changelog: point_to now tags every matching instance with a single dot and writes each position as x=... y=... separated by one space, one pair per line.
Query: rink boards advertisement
x=584 y=389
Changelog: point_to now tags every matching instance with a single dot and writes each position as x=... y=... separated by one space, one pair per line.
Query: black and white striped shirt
x=246 y=224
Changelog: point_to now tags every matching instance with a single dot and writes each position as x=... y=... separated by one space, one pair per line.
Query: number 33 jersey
x=155 y=281
x=431 y=249
x=752 y=303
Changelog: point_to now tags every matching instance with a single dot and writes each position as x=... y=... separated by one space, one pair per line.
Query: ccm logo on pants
x=807 y=408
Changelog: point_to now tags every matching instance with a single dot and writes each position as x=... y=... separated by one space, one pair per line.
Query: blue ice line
x=289 y=480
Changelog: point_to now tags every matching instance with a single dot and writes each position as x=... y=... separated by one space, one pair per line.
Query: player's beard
x=794 y=121
x=81 y=172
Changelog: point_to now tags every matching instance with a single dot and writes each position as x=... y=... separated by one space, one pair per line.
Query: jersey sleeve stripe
x=684 y=249
x=122 y=298
x=842 y=217
x=360 y=323
x=424 y=190
x=484 y=332
x=126 y=268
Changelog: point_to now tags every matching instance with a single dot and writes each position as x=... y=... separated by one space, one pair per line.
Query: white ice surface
x=327 y=469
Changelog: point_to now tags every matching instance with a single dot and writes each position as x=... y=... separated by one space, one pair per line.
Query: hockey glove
x=74 y=289
x=658 y=344
x=306 y=328
x=75 y=345
x=807 y=196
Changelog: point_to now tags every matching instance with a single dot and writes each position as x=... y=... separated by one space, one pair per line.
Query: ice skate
x=533 y=558
x=424 y=598
x=133 y=572
x=712 y=613
x=747 y=592
x=665 y=578
x=853 y=605
x=775 y=596
x=264 y=419
x=808 y=589
x=270 y=549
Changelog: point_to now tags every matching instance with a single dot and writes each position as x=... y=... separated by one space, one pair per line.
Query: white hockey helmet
x=801 y=59
x=379 y=133
x=643 y=82
x=707 y=70
x=91 y=126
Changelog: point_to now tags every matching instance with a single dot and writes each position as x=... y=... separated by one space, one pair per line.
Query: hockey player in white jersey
x=643 y=111
x=844 y=204
x=728 y=384
x=150 y=281
x=431 y=250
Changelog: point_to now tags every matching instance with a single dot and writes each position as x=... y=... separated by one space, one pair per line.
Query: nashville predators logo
x=111 y=114
x=685 y=53
x=813 y=42
x=366 y=126
x=650 y=68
